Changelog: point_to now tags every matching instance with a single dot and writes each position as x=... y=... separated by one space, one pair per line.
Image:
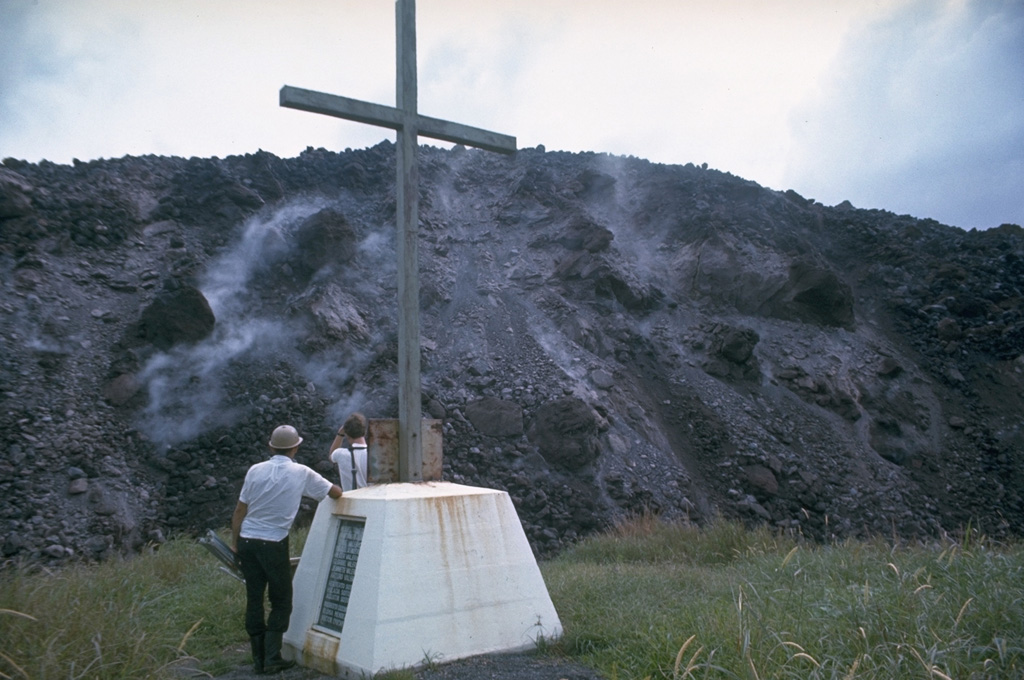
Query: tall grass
x=648 y=600
x=121 y=619
x=654 y=600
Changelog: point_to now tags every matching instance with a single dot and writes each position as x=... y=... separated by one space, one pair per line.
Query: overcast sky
x=913 y=106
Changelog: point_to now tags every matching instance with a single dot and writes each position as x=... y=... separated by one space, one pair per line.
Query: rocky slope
x=602 y=336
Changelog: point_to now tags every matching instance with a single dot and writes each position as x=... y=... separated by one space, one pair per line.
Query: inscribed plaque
x=341 y=574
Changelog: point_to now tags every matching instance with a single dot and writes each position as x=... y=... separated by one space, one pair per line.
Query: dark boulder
x=584 y=234
x=737 y=344
x=175 y=316
x=324 y=238
x=565 y=433
x=762 y=481
x=495 y=417
x=817 y=295
x=122 y=389
x=14 y=195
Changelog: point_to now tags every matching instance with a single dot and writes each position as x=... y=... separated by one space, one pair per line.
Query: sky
x=912 y=106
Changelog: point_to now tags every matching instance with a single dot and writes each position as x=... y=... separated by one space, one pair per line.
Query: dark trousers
x=267 y=568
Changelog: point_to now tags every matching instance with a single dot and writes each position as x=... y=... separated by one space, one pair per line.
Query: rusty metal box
x=382 y=450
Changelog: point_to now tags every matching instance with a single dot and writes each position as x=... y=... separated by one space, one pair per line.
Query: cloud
x=104 y=78
x=910 y=105
x=58 y=62
x=922 y=113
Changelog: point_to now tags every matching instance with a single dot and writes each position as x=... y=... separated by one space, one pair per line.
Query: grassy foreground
x=659 y=601
x=649 y=600
x=120 y=619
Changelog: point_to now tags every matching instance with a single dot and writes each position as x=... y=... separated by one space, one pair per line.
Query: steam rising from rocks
x=187 y=385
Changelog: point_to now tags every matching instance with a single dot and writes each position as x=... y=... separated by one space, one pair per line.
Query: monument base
x=402 y=575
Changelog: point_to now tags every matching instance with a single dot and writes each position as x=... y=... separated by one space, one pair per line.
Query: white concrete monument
x=400 y=575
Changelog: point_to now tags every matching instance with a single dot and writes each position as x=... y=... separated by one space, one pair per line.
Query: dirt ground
x=520 y=666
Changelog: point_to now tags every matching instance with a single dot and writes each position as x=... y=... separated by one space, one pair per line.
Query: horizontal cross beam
x=392 y=118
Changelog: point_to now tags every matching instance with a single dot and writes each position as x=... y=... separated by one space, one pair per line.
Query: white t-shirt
x=343 y=458
x=273 y=490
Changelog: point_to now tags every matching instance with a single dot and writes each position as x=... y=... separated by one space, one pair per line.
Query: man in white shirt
x=267 y=506
x=351 y=460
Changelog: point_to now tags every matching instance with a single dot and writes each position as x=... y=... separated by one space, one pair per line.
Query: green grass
x=649 y=600
x=119 y=619
x=661 y=601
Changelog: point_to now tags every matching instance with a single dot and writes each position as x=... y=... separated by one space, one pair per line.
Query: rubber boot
x=258 y=653
x=273 y=661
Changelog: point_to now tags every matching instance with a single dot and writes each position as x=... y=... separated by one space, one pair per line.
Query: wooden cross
x=404 y=118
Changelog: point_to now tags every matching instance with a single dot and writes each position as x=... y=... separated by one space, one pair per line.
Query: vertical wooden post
x=405 y=119
x=410 y=452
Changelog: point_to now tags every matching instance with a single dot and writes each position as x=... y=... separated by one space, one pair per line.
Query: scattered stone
x=603 y=380
x=122 y=389
x=889 y=368
x=55 y=551
x=495 y=417
x=762 y=480
x=948 y=329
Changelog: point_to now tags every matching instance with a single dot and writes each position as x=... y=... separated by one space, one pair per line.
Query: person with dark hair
x=266 y=508
x=351 y=460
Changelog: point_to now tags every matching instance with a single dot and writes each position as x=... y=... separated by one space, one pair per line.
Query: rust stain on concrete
x=320 y=652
